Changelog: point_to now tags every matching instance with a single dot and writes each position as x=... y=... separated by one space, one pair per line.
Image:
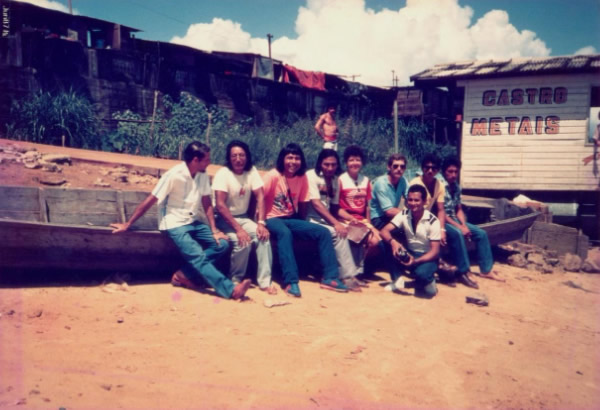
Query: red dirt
x=155 y=346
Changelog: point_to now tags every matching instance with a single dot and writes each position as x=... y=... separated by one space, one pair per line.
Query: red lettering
x=539 y=121
x=516 y=96
x=495 y=126
x=552 y=124
x=545 y=95
x=525 y=127
x=531 y=93
x=478 y=126
x=560 y=95
x=489 y=97
x=512 y=124
x=503 y=98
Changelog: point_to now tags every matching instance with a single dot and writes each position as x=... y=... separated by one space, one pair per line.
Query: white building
x=526 y=125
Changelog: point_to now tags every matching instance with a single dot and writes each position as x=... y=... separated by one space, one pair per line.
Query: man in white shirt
x=421 y=250
x=324 y=195
x=233 y=185
x=179 y=193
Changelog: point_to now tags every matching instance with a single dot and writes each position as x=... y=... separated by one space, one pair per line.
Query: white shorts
x=331 y=145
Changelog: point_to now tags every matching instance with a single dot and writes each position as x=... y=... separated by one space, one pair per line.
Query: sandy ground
x=149 y=345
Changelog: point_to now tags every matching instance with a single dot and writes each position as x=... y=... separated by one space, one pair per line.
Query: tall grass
x=45 y=118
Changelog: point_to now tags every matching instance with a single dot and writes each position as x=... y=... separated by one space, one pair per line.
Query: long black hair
x=242 y=145
x=291 y=149
x=326 y=153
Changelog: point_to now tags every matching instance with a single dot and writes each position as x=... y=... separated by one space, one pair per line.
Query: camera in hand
x=402 y=256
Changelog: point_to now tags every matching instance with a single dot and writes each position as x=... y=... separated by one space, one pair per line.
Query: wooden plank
x=131 y=200
x=19 y=203
x=57 y=246
x=43 y=217
x=510 y=185
x=121 y=206
x=500 y=150
x=582 y=81
x=528 y=143
x=82 y=206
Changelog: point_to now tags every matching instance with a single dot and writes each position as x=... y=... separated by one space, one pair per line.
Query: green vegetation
x=48 y=118
x=179 y=122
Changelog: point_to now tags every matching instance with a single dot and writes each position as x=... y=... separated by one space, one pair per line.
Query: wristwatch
x=262 y=223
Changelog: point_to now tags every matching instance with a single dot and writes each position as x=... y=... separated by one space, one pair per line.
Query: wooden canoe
x=68 y=228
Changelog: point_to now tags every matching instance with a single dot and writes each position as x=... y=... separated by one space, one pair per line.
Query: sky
x=367 y=39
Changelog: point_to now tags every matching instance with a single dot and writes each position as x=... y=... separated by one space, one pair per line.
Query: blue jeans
x=458 y=248
x=197 y=245
x=424 y=272
x=284 y=230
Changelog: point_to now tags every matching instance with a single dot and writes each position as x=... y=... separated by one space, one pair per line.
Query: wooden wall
x=543 y=154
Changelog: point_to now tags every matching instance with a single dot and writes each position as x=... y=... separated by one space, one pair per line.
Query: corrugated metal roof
x=510 y=67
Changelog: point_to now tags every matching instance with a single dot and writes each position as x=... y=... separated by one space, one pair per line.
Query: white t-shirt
x=238 y=188
x=317 y=189
x=428 y=229
x=179 y=196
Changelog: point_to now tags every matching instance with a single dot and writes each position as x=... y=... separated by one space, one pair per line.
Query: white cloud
x=345 y=37
x=48 y=4
x=587 y=50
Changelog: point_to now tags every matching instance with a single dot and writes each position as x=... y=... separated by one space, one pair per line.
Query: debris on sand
x=478 y=299
x=273 y=303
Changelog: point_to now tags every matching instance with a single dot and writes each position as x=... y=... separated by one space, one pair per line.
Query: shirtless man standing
x=327 y=128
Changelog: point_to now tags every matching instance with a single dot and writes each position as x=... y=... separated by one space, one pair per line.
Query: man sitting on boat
x=389 y=192
x=179 y=194
x=421 y=248
x=459 y=231
x=233 y=185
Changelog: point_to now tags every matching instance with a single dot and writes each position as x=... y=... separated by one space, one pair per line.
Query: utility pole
x=70 y=7
x=393 y=76
x=269 y=37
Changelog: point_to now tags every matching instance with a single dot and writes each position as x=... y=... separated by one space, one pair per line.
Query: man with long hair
x=233 y=185
x=286 y=199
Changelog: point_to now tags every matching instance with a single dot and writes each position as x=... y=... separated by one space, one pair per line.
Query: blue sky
x=360 y=36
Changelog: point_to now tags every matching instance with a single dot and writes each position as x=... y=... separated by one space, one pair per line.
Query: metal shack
x=525 y=125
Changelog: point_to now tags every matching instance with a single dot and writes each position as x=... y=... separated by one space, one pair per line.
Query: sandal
x=335 y=285
x=180 y=280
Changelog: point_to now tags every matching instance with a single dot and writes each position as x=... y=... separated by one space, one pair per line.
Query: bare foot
x=492 y=275
x=240 y=289
x=271 y=290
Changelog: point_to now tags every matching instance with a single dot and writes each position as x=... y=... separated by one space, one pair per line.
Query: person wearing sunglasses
x=324 y=193
x=430 y=165
x=389 y=192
